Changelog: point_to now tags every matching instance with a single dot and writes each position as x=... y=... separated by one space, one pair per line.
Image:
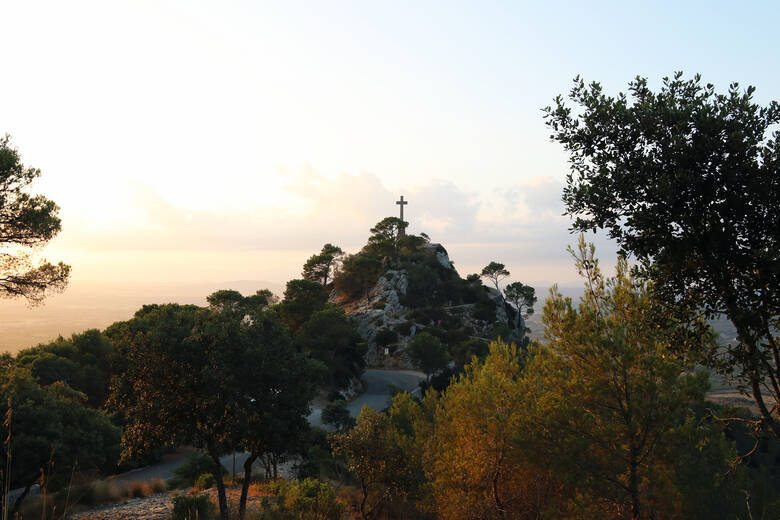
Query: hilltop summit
x=399 y=285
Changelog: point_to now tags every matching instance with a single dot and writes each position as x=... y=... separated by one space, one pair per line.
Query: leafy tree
x=606 y=388
x=358 y=275
x=494 y=272
x=302 y=298
x=233 y=301
x=428 y=354
x=385 y=337
x=330 y=337
x=306 y=499
x=337 y=415
x=522 y=296
x=281 y=385
x=27 y=222
x=473 y=278
x=688 y=181
x=84 y=362
x=476 y=461
x=377 y=458
x=213 y=379
x=261 y=300
x=385 y=237
x=51 y=428
x=321 y=268
x=464 y=351
x=225 y=299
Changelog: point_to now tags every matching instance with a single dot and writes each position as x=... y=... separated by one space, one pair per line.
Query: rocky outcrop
x=385 y=312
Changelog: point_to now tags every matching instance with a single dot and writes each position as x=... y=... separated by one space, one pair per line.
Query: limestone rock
x=384 y=308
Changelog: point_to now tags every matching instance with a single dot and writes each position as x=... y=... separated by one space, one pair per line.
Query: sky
x=203 y=142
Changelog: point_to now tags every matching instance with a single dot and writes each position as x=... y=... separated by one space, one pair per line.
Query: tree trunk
x=363 y=514
x=633 y=485
x=754 y=368
x=245 y=485
x=223 y=509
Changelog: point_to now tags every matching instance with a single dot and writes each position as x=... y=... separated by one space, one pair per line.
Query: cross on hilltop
x=402 y=203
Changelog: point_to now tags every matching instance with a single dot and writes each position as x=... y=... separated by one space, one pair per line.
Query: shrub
x=186 y=474
x=337 y=415
x=157 y=485
x=195 y=507
x=404 y=328
x=205 y=481
x=137 y=489
x=384 y=337
x=307 y=499
x=94 y=494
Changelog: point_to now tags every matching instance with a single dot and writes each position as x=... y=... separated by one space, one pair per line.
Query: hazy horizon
x=193 y=143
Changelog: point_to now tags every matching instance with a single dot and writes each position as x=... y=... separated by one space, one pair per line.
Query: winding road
x=377 y=384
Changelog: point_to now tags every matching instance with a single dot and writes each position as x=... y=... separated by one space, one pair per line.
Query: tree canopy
x=384 y=239
x=213 y=379
x=495 y=272
x=428 y=353
x=522 y=296
x=688 y=181
x=607 y=388
x=331 y=337
x=322 y=267
x=26 y=222
x=302 y=298
x=50 y=430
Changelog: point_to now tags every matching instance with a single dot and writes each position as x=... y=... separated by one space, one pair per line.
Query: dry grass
x=137 y=489
x=158 y=485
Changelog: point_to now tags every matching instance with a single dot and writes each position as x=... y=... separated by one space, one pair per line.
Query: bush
x=337 y=415
x=137 y=489
x=384 y=337
x=157 y=485
x=186 y=474
x=195 y=507
x=205 y=481
x=404 y=328
x=307 y=499
x=92 y=494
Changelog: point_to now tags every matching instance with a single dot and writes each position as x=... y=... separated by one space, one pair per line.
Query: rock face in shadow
x=424 y=292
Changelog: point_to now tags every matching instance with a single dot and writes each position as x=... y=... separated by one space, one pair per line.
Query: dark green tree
x=495 y=272
x=322 y=267
x=213 y=379
x=278 y=383
x=428 y=354
x=225 y=299
x=330 y=337
x=377 y=458
x=522 y=296
x=688 y=181
x=50 y=429
x=385 y=237
x=385 y=337
x=26 y=222
x=302 y=298
x=465 y=351
x=358 y=275
x=84 y=362
x=261 y=300
x=337 y=415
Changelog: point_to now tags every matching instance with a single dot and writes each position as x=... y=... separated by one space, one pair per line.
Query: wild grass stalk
x=7 y=472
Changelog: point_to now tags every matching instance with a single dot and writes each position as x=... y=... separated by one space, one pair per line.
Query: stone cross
x=402 y=203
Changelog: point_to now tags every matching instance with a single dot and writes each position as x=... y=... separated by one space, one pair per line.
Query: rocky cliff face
x=387 y=319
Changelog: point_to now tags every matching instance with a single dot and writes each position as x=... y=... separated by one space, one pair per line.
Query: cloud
x=520 y=225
